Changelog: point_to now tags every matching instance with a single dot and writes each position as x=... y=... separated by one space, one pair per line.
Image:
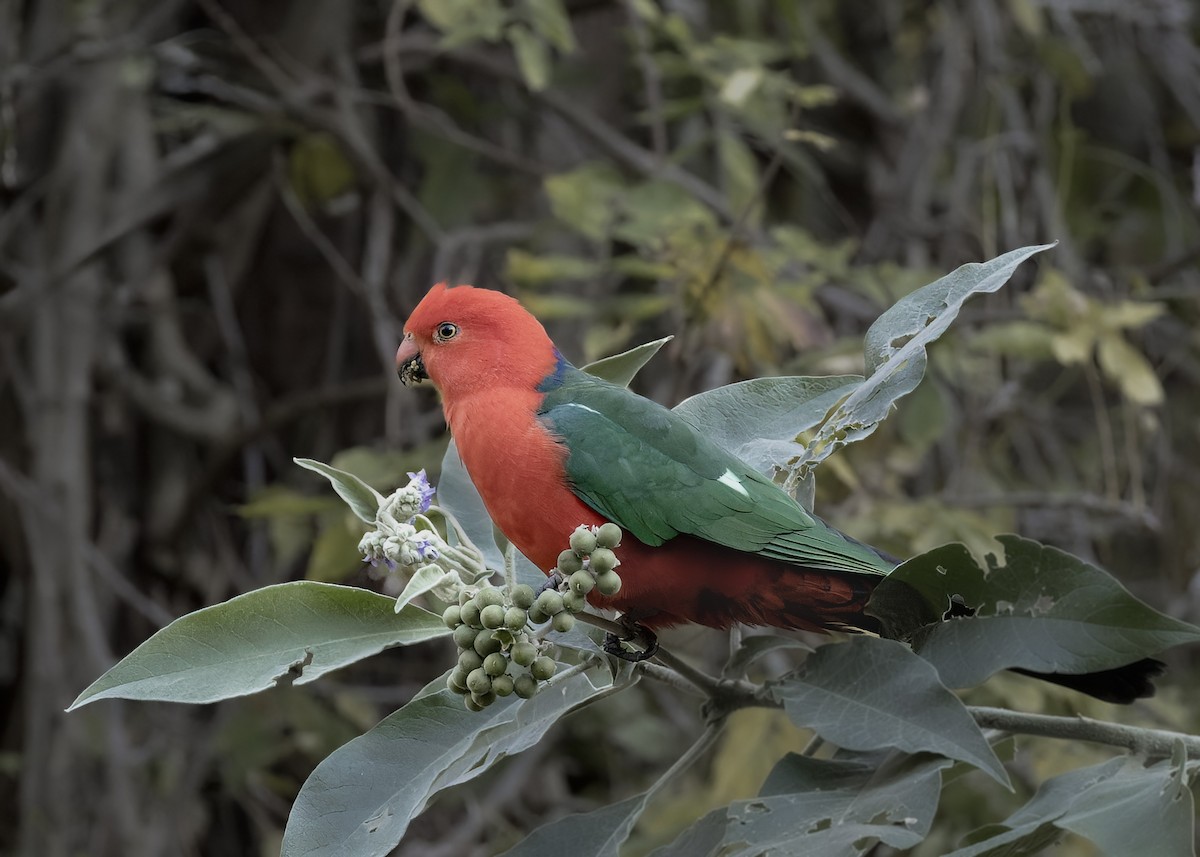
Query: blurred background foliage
x=215 y=217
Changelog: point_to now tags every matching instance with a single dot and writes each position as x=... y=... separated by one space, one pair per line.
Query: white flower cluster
x=400 y=544
x=425 y=562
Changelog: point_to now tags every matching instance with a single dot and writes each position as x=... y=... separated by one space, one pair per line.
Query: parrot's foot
x=637 y=634
x=553 y=581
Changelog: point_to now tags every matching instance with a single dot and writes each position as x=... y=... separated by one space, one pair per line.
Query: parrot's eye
x=446 y=330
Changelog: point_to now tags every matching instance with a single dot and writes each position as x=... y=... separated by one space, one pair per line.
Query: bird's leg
x=637 y=634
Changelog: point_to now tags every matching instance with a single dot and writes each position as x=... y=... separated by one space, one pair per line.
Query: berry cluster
x=501 y=651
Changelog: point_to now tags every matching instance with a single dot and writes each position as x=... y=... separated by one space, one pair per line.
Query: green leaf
x=587 y=198
x=621 y=368
x=362 y=499
x=758 y=420
x=533 y=57
x=423 y=580
x=739 y=173
x=530 y=270
x=360 y=799
x=603 y=830
x=895 y=350
x=754 y=647
x=1129 y=369
x=824 y=806
x=1138 y=811
x=656 y=210
x=456 y=495
x=870 y=694
x=1122 y=807
x=1041 y=609
x=290 y=633
x=552 y=23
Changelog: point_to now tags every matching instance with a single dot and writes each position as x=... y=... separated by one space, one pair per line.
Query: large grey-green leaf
x=603 y=831
x=362 y=499
x=621 y=368
x=457 y=495
x=1123 y=808
x=870 y=694
x=1040 y=609
x=895 y=350
x=758 y=420
x=283 y=634
x=831 y=807
x=360 y=799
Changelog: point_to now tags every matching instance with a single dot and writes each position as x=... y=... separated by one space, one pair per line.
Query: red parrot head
x=466 y=339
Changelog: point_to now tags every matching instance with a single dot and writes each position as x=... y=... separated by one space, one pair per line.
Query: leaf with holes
x=759 y=420
x=1040 y=609
x=872 y=694
x=843 y=806
x=360 y=800
x=895 y=350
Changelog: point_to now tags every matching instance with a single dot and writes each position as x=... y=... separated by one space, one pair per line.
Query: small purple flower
x=426 y=548
x=420 y=481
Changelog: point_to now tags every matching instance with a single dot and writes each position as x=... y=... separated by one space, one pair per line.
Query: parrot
x=707 y=538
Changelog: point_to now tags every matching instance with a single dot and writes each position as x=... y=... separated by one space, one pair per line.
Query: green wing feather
x=652 y=472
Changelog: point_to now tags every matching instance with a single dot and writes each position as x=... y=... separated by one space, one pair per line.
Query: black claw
x=637 y=634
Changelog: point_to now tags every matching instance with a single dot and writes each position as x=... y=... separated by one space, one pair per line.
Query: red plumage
x=488 y=374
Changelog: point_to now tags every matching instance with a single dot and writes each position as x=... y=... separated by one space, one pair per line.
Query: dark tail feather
x=1121 y=685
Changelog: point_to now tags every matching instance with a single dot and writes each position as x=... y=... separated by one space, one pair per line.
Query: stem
x=742 y=693
x=582 y=666
x=510 y=569
x=1153 y=743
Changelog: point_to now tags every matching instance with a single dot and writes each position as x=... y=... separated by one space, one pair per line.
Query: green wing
x=647 y=469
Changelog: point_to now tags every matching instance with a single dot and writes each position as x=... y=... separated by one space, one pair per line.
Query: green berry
x=608 y=536
x=484 y=699
x=541 y=669
x=478 y=681
x=525 y=686
x=464 y=636
x=488 y=597
x=515 y=618
x=569 y=562
x=469 y=659
x=582 y=582
x=452 y=617
x=464 y=596
x=608 y=583
x=471 y=704
x=536 y=616
x=523 y=596
x=524 y=653
x=502 y=685
x=602 y=560
x=469 y=613
x=583 y=541
x=549 y=602
x=457 y=681
x=574 y=602
x=495 y=664
x=492 y=616
x=562 y=622
x=486 y=643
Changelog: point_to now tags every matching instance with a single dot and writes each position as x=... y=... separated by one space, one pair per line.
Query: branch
x=1153 y=743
